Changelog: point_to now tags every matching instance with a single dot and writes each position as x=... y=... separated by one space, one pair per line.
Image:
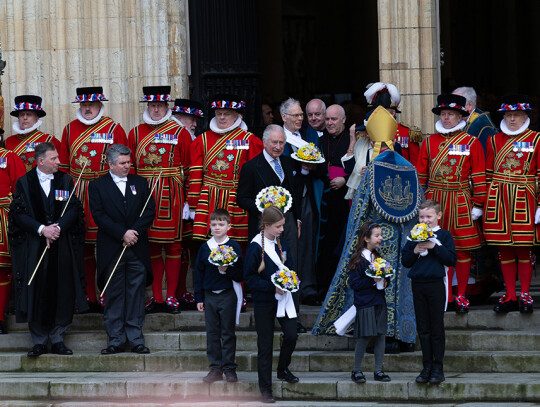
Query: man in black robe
x=334 y=144
x=39 y=222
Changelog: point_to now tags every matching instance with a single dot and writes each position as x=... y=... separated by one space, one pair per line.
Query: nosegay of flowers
x=223 y=256
x=380 y=268
x=421 y=232
x=274 y=196
x=286 y=280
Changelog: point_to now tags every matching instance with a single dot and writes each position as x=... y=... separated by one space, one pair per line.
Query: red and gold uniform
x=11 y=168
x=87 y=144
x=512 y=170
x=164 y=148
x=410 y=139
x=23 y=145
x=216 y=161
x=452 y=168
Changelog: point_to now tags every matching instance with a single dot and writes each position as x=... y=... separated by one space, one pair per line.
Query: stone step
x=247 y=340
x=302 y=361
x=480 y=318
x=328 y=386
x=244 y=403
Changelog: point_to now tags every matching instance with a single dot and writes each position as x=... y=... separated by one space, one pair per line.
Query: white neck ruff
x=238 y=123
x=508 y=132
x=440 y=128
x=17 y=128
x=148 y=120
x=92 y=121
x=177 y=120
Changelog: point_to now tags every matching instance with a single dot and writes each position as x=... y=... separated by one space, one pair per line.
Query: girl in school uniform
x=369 y=301
x=265 y=255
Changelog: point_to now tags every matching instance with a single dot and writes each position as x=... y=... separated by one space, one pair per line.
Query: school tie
x=279 y=170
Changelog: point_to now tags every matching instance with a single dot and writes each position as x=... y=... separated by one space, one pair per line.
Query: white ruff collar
x=92 y=121
x=177 y=120
x=17 y=128
x=440 y=129
x=238 y=123
x=148 y=120
x=508 y=132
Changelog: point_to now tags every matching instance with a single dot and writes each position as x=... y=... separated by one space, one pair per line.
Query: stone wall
x=54 y=46
x=409 y=56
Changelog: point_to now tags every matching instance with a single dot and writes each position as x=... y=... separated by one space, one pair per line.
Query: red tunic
x=512 y=171
x=88 y=144
x=11 y=168
x=410 y=141
x=213 y=179
x=163 y=147
x=19 y=144
x=447 y=165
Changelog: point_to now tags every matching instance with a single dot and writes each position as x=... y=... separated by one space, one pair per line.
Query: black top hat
x=511 y=103
x=156 y=94
x=28 y=103
x=228 y=101
x=188 y=106
x=90 y=94
x=451 y=102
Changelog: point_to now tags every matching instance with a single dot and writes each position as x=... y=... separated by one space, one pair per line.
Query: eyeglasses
x=296 y=116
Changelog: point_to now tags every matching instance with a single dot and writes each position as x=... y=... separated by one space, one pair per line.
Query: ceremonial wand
x=125 y=247
x=62 y=214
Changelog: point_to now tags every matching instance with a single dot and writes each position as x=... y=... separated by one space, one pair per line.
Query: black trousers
x=124 y=302
x=220 y=317
x=429 y=299
x=264 y=324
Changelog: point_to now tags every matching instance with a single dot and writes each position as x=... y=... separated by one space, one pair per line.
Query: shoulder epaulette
x=415 y=135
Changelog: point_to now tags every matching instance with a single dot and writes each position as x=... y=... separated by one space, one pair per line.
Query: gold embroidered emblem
x=82 y=160
x=394 y=194
x=443 y=171
x=153 y=159
x=221 y=165
x=510 y=163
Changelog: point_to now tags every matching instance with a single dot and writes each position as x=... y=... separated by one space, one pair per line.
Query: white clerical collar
x=17 y=128
x=440 y=128
x=148 y=120
x=508 y=132
x=90 y=122
x=238 y=123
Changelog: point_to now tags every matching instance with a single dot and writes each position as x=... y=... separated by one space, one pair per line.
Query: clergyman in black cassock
x=36 y=221
x=116 y=202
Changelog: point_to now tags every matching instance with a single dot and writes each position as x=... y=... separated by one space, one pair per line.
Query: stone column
x=409 y=56
x=54 y=46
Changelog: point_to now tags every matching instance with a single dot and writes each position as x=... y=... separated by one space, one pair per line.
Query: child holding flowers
x=369 y=300
x=218 y=269
x=267 y=255
x=429 y=259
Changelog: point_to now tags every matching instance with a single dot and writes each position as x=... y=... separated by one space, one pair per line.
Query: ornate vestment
x=389 y=194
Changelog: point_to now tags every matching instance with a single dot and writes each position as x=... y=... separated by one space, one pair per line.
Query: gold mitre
x=381 y=127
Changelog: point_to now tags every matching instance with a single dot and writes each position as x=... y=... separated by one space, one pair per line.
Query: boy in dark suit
x=218 y=296
x=117 y=202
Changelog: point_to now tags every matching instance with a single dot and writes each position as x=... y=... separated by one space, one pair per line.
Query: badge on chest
x=104 y=138
x=30 y=147
x=459 y=149
x=237 y=145
x=162 y=138
x=61 y=195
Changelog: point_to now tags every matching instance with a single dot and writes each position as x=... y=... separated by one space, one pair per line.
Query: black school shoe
x=214 y=375
x=287 y=376
x=424 y=375
x=358 y=377
x=436 y=376
x=37 y=350
x=267 y=397
x=230 y=375
x=380 y=376
x=61 y=349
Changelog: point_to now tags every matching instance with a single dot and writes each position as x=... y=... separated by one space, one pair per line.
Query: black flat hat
x=90 y=94
x=30 y=103
x=451 y=102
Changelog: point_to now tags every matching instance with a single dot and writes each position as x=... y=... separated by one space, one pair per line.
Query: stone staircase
x=490 y=360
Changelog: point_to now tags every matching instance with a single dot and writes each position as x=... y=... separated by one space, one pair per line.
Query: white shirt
x=45 y=182
x=120 y=183
x=271 y=162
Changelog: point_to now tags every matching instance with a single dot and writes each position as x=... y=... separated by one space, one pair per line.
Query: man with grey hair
x=46 y=221
x=293 y=117
x=316 y=110
x=123 y=210
x=479 y=123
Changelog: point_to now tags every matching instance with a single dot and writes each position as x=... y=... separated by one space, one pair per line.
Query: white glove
x=476 y=213
x=537 y=216
x=192 y=214
x=185 y=211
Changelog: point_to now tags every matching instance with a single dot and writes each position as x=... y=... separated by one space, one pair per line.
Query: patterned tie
x=279 y=170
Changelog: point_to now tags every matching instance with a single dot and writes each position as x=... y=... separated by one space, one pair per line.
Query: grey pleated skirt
x=370 y=321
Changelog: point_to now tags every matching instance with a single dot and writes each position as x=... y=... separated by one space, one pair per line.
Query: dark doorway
x=317 y=48
x=491 y=46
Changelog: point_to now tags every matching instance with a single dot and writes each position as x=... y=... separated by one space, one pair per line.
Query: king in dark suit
x=117 y=202
x=38 y=221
